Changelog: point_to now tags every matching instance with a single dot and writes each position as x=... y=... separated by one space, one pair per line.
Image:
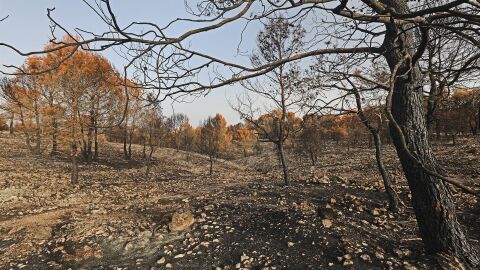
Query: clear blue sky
x=28 y=29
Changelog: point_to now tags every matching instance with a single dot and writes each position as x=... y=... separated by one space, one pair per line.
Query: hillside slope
x=244 y=218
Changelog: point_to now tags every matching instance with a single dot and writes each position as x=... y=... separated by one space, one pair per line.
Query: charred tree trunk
x=90 y=135
x=387 y=182
x=431 y=197
x=432 y=101
x=95 y=130
x=25 y=132
x=375 y=136
x=130 y=139
x=283 y=161
x=12 y=116
x=125 y=138
x=74 y=176
x=313 y=157
x=38 y=136
x=54 y=137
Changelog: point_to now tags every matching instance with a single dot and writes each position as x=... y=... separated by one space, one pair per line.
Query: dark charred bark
x=387 y=182
x=125 y=138
x=54 y=137
x=144 y=155
x=130 y=139
x=283 y=162
x=393 y=199
x=25 y=132
x=313 y=157
x=37 y=150
x=431 y=197
x=74 y=176
x=95 y=155
x=90 y=139
x=10 y=126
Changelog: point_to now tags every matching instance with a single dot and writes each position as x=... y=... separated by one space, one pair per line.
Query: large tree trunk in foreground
x=387 y=182
x=283 y=161
x=431 y=197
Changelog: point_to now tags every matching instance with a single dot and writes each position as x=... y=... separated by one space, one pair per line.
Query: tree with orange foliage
x=18 y=100
x=244 y=136
x=187 y=137
x=312 y=138
x=459 y=113
x=82 y=78
x=213 y=138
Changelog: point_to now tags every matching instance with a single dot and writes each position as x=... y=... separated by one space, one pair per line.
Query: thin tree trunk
x=37 y=149
x=130 y=139
x=387 y=182
x=125 y=138
x=90 y=139
x=74 y=154
x=313 y=158
x=375 y=135
x=283 y=161
x=431 y=197
x=74 y=176
x=25 y=132
x=10 y=126
x=54 y=137
x=95 y=130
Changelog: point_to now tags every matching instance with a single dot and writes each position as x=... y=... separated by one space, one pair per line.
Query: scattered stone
x=376 y=212
x=379 y=255
x=348 y=263
x=327 y=223
x=366 y=258
x=181 y=221
x=128 y=246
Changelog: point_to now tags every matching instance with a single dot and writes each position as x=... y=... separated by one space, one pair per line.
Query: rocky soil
x=332 y=217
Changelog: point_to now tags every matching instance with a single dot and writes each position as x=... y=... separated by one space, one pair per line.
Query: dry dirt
x=332 y=217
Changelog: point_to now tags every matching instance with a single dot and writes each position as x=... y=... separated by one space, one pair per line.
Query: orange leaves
x=213 y=135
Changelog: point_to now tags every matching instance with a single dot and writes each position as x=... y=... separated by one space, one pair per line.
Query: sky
x=27 y=27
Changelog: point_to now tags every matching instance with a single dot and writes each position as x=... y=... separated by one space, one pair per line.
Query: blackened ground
x=332 y=217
